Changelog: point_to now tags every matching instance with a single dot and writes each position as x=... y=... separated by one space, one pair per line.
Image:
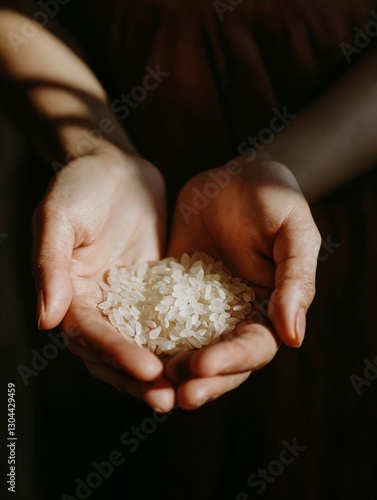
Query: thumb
x=52 y=253
x=296 y=249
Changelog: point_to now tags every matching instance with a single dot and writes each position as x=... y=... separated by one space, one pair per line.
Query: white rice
x=172 y=306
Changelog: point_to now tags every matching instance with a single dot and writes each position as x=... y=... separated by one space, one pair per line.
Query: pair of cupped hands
x=109 y=208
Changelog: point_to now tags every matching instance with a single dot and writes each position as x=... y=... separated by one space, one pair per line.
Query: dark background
x=66 y=419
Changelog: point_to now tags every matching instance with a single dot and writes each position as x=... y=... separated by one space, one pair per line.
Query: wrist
x=103 y=135
x=265 y=165
x=278 y=156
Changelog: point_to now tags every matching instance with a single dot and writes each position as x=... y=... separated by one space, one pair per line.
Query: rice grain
x=172 y=306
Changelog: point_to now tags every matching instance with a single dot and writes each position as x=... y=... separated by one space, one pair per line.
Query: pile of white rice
x=172 y=306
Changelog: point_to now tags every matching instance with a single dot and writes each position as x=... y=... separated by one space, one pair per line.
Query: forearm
x=335 y=138
x=53 y=95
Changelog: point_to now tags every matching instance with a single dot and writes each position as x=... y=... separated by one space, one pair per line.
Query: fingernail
x=40 y=308
x=300 y=326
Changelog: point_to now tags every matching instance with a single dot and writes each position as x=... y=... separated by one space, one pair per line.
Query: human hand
x=259 y=224
x=104 y=209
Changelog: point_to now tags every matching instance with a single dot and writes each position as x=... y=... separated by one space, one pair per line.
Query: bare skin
x=274 y=242
x=260 y=226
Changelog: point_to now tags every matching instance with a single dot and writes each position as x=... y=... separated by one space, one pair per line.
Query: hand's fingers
x=295 y=252
x=85 y=353
x=88 y=355
x=77 y=341
x=213 y=370
x=249 y=348
x=178 y=369
x=97 y=332
x=52 y=252
x=159 y=395
x=196 y=392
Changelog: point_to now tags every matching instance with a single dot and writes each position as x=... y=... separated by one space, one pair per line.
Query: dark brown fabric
x=225 y=77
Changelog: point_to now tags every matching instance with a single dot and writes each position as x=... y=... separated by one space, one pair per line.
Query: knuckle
x=308 y=288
